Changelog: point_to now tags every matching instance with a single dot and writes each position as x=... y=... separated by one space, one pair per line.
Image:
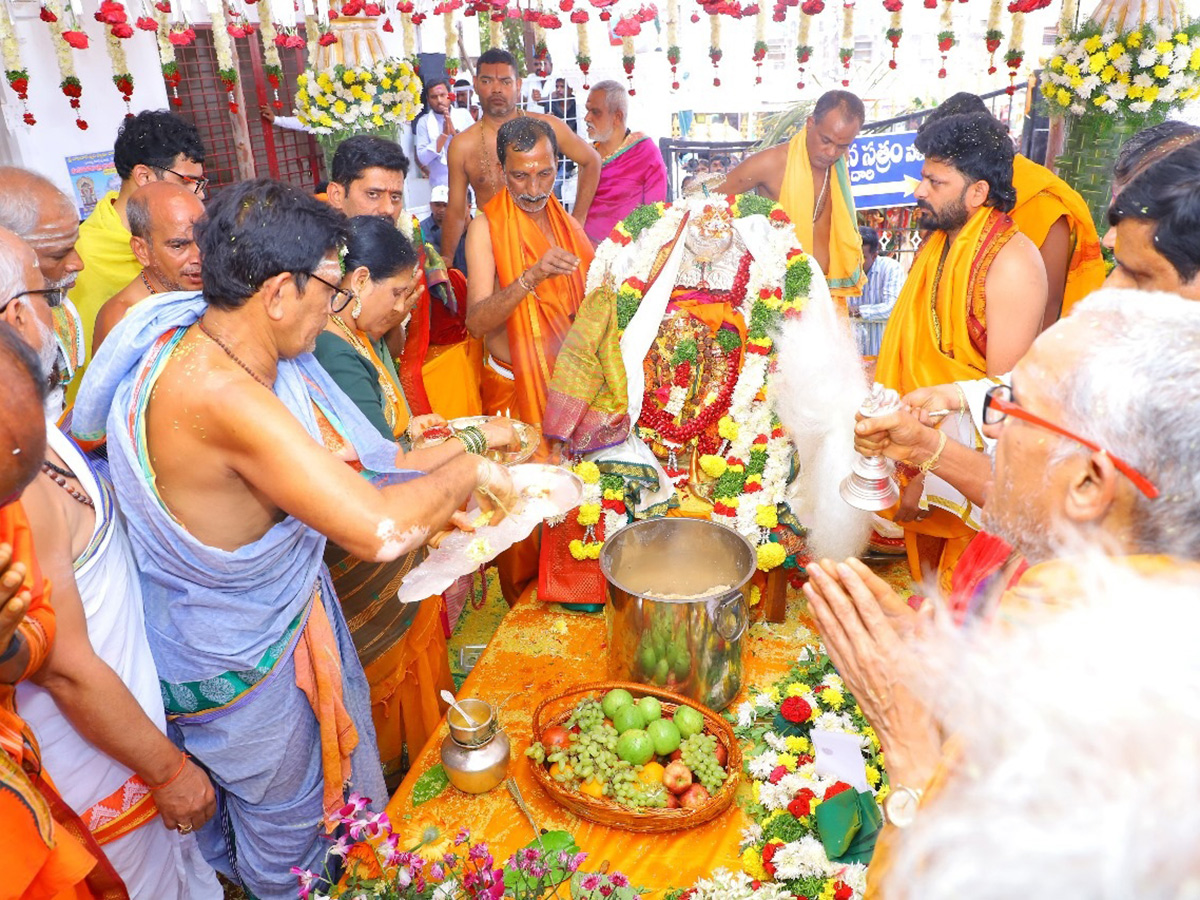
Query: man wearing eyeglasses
x=1097 y=449
x=234 y=456
x=154 y=145
x=28 y=310
x=161 y=219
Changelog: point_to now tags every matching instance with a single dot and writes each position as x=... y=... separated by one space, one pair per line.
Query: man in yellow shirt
x=154 y=145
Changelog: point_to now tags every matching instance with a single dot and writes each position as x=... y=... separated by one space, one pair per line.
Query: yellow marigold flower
x=1150 y=94
x=1123 y=78
x=377 y=109
x=613 y=495
x=754 y=791
x=1092 y=44
x=1135 y=92
x=796 y=690
x=1164 y=47
x=883 y=792
x=727 y=428
x=588 y=471
x=302 y=79
x=325 y=119
x=577 y=551
x=589 y=514
x=378 y=121
x=339 y=107
x=1115 y=51
x=386 y=84
x=713 y=466
x=301 y=97
x=872 y=736
x=833 y=699
x=1097 y=62
x=1100 y=101
x=796 y=744
x=873 y=776
x=1181 y=37
x=1161 y=71
x=737 y=467
x=755 y=595
x=766 y=517
x=1063 y=97
x=1194 y=62
x=752 y=861
x=1071 y=69
x=827 y=891
x=1107 y=74
x=1056 y=64
x=788 y=761
x=770 y=556
x=347 y=77
x=1076 y=82
x=1134 y=39
x=321 y=100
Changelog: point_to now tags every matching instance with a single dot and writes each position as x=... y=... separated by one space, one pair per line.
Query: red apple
x=694 y=797
x=556 y=737
x=677 y=777
x=721 y=754
x=677 y=754
x=672 y=801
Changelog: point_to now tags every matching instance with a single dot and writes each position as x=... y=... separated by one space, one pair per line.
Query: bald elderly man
x=161 y=216
x=34 y=209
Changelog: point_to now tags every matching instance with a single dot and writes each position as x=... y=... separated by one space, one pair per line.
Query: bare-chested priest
x=234 y=456
x=809 y=177
x=161 y=216
x=472 y=159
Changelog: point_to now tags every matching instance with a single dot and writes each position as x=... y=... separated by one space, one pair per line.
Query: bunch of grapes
x=628 y=790
x=588 y=715
x=591 y=754
x=699 y=754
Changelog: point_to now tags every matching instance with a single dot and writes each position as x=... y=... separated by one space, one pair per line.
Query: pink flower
x=306 y=879
x=463 y=836
x=590 y=882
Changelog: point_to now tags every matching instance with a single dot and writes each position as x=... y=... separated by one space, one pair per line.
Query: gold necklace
x=820 y=207
x=385 y=383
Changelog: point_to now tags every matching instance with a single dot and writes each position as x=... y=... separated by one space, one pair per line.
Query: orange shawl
x=1042 y=199
x=539 y=324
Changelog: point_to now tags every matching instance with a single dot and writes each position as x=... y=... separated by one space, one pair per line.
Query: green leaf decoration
x=429 y=785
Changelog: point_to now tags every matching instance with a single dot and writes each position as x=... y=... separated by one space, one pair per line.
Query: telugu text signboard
x=885 y=169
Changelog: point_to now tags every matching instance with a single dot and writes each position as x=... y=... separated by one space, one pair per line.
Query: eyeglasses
x=198 y=183
x=52 y=296
x=341 y=298
x=998 y=404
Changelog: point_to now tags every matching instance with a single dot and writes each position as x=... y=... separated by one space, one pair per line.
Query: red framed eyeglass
x=998 y=403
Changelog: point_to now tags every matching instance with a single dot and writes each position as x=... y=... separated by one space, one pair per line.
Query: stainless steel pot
x=475 y=756
x=678 y=606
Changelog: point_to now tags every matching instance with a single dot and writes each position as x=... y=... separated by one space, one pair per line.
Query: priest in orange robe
x=527 y=261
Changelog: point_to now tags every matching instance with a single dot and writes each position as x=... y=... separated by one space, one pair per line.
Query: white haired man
x=1096 y=449
x=632 y=171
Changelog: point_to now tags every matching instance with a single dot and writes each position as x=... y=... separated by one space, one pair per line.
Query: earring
x=356 y=311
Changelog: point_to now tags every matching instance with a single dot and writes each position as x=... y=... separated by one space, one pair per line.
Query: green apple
x=647 y=659
x=614 y=700
x=628 y=718
x=651 y=709
x=665 y=735
x=635 y=747
x=661 y=671
x=689 y=721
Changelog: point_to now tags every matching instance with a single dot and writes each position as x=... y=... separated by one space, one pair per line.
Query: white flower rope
x=846 y=50
x=272 y=64
x=1014 y=56
x=803 y=47
x=120 y=68
x=69 y=84
x=993 y=35
x=14 y=69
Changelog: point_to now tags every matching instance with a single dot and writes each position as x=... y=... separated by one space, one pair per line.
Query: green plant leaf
x=430 y=784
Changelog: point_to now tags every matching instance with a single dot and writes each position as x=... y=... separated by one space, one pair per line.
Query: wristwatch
x=901 y=805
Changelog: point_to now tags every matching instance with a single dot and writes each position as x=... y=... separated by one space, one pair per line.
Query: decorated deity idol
x=664 y=385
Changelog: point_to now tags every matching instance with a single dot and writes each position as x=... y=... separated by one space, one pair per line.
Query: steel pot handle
x=740 y=616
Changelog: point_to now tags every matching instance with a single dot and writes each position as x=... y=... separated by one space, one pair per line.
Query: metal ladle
x=449 y=698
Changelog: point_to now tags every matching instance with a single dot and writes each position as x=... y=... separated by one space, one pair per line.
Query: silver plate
x=530 y=436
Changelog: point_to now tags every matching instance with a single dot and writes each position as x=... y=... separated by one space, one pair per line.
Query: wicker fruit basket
x=555 y=710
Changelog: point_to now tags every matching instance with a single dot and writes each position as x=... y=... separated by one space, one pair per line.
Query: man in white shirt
x=885 y=277
x=435 y=130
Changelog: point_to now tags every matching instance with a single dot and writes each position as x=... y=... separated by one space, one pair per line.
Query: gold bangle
x=928 y=465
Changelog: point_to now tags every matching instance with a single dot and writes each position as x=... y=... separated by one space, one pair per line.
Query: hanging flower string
x=846 y=51
x=627 y=28
x=451 y=41
x=994 y=35
x=760 y=41
x=945 y=37
x=14 y=70
x=894 y=32
x=803 y=47
x=714 y=47
x=166 y=52
x=120 y=67
x=224 y=52
x=1016 y=51
x=673 y=41
x=64 y=41
x=272 y=65
x=583 y=55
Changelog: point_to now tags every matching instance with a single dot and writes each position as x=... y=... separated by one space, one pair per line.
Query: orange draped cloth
x=540 y=322
x=937 y=333
x=1042 y=199
x=453 y=372
x=39 y=857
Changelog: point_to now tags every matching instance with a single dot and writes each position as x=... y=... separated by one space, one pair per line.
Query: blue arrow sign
x=885 y=169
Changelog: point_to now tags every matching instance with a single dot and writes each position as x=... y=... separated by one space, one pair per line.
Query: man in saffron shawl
x=632 y=171
x=1050 y=213
x=528 y=261
x=234 y=456
x=971 y=306
x=809 y=179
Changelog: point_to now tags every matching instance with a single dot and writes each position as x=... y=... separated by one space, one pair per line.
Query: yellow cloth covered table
x=537 y=651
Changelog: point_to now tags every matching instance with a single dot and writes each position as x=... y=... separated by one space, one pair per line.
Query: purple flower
x=449 y=860
x=538 y=870
x=306 y=880
x=436 y=872
x=340 y=846
x=530 y=854
x=355 y=804
x=616 y=878
x=478 y=851
x=462 y=837
x=575 y=862
x=590 y=882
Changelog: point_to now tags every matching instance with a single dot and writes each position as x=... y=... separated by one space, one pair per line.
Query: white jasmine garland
x=804 y=858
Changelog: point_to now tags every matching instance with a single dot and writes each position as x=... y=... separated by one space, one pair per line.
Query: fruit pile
x=625 y=750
